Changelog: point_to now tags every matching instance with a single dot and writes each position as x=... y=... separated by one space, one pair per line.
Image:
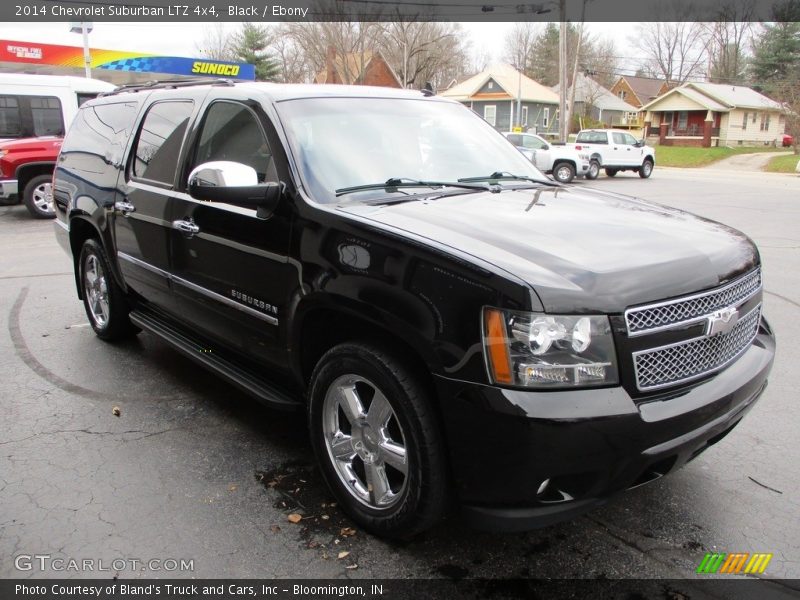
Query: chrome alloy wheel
x=96 y=290
x=563 y=173
x=365 y=442
x=43 y=198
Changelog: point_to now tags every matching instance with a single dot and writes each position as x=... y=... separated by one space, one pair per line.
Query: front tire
x=104 y=301
x=646 y=169
x=563 y=172
x=594 y=170
x=38 y=197
x=377 y=441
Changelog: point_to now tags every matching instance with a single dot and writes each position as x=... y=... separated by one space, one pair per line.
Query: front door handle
x=124 y=207
x=186 y=226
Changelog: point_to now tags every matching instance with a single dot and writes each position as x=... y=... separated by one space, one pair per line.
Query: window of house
x=490 y=85
x=754 y=117
x=47 y=117
x=744 y=121
x=622 y=94
x=764 y=122
x=160 y=139
x=546 y=117
x=10 y=123
x=524 y=121
x=490 y=114
x=683 y=119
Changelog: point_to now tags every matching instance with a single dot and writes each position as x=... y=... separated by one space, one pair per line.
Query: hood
x=580 y=250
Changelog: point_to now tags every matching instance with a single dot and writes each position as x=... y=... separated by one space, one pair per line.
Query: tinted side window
x=515 y=139
x=98 y=135
x=10 y=123
x=85 y=97
x=532 y=142
x=231 y=131
x=159 y=141
x=629 y=139
x=47 y=116
x=618 y=138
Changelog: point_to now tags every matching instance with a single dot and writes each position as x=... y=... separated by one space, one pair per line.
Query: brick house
x=713 y=114
x=358 y=68
x=638 y=91
x=497 y=92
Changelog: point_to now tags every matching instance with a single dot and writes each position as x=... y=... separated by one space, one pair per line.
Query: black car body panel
x=417 y=275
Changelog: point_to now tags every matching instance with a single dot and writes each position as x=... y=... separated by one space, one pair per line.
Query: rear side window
x=592 y=137
x=47 y=116
x=98 y=135
x=160 y=139
x=10 y=122
x=82 y=98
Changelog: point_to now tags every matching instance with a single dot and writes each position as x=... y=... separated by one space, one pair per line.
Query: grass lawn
x=680 y=156
x=783 y=164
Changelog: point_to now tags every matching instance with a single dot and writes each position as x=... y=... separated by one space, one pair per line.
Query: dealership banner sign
x=117 y=60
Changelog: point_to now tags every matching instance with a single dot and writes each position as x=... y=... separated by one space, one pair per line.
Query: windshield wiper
x=396 y=182
x=505 y=175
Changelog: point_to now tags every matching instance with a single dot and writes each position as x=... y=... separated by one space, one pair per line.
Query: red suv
x=26 y=173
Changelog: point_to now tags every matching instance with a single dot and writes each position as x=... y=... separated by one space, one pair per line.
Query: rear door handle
x=124 y=207
x=186 y=226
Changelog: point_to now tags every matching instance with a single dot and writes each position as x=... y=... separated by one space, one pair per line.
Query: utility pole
x=562 y=73
x=84 y=28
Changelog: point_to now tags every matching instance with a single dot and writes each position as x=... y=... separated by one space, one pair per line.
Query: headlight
x=538 y=350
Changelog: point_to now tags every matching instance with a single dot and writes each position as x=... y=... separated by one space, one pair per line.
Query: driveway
x=746 y=162
x=191 y=469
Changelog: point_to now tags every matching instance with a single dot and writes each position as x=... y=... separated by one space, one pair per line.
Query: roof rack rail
x=167 y=84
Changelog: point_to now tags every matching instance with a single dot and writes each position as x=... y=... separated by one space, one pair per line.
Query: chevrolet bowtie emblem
x=722 y=321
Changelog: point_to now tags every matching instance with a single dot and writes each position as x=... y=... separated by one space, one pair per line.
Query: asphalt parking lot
x=192 y=469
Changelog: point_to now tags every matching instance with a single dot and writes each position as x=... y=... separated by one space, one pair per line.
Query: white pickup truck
x=559 y=160
x=615 y=151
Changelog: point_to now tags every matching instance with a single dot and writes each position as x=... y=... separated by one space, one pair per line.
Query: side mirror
x=545 y=147
x=639 y=144
x=236 y=184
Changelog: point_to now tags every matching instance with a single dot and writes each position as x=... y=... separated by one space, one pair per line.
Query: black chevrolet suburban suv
x=458 y=328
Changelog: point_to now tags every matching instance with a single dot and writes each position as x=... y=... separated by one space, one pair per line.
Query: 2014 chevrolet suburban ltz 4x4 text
x=457 y=327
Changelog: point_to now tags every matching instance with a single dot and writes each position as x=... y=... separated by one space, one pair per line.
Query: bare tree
x=518 y=45
x=422 y=52
x=674 y=51
x=727 y=39
x=215 y=43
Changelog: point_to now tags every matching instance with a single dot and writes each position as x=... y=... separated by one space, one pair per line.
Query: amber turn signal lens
x=497 y=346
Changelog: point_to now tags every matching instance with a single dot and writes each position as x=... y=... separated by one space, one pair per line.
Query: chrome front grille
x=684 y=361
x=671 y=313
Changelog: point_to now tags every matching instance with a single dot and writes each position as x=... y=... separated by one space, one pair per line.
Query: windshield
x=342 y=143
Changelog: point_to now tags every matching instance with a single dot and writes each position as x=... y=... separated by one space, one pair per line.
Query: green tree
x=250 y=44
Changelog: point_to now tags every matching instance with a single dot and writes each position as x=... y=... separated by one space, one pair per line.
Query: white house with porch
x=714 y=114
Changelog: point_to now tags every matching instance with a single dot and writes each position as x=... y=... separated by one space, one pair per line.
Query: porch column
x=708 y=125
x=662 y=132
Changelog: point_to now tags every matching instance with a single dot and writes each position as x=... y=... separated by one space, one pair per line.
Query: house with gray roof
x=506 y=99
x=598 y=103
x=715 y=114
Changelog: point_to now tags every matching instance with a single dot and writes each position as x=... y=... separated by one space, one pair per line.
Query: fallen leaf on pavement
x=347 y=532
x=342 y=554
x=116 y=411
x=295 y=518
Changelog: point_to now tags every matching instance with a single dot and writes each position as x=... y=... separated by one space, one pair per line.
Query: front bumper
x=9 y=188
x=582 y=168
x=588 y=444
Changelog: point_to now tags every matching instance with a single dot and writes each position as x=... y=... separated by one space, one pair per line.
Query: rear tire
x=377 y=441
x=611 y=172
x=38 y=197
x=563 y=172
x=594 y=170
x=104 y=301
x=646 y=169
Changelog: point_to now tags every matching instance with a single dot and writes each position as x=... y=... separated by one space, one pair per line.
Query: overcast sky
x=171 y=39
